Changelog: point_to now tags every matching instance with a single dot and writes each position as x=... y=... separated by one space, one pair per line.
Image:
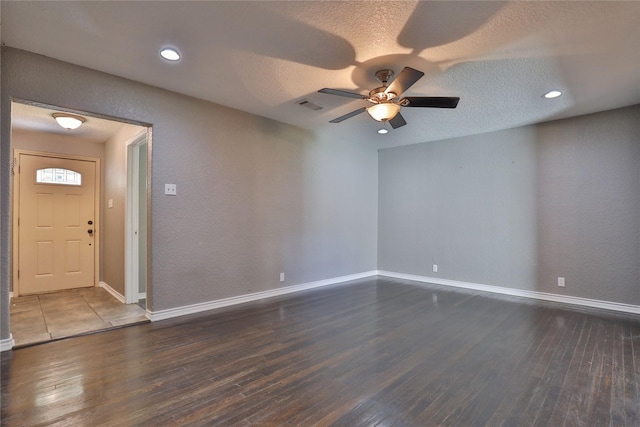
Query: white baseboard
x=113 y=292
x=225 y=302
x=544 y=296
x=7 y=344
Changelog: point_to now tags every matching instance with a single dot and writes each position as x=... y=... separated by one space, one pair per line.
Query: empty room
x=349 y=213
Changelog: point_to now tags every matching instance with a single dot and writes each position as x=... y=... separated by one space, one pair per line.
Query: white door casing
x=57 y=244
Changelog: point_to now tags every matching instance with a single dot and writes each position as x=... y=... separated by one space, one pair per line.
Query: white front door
x=56 y=224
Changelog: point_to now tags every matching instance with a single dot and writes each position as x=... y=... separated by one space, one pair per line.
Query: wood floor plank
x=567 y=391
x=502 y=381
x=549 y=394
x=603 y=353
x=374 y=352
x=583 y=380
x=514 y=390
x=631 y=397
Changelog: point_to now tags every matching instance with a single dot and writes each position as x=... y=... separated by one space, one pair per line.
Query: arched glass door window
x=58 y=176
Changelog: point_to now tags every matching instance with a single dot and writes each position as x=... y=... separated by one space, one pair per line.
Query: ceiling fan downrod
x=384 y=76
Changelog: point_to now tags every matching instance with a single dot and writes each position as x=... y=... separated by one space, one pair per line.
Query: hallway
x=47 y=317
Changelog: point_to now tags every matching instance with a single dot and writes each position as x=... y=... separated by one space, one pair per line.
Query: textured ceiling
x=262 y=57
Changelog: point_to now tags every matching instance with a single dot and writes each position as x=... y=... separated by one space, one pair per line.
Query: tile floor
x=46 y=317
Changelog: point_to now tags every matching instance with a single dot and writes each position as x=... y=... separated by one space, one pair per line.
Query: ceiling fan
x=386 y=106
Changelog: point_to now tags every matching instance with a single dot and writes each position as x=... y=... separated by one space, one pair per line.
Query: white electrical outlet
x=170 y=189
x=282 y=277
x=435 y=268
x=561 y=282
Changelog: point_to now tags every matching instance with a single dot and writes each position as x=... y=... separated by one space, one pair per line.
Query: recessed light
x=170 y=54
x=552 y=94
x=383 y=131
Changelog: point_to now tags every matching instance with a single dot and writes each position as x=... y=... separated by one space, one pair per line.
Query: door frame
x=15 y=250
x=132 y=221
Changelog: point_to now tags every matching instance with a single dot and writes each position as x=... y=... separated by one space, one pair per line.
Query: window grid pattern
x=58 y=176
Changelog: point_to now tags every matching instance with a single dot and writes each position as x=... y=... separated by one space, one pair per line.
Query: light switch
x=170 y=189
x=110 y=203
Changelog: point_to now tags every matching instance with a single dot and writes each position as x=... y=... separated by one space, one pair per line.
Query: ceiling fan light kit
x=386 y=107
x=384 y=112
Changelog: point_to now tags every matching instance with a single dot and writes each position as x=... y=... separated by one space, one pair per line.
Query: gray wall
x=519 y=208
x=255 y=197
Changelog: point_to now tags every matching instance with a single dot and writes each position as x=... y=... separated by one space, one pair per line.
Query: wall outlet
x=282 y=277
x=110 y=203
x=561 y=282
x=170 y=189
x=435 y=268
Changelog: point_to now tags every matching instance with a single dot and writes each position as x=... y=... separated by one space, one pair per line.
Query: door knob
x=90 y=222
x=90 y=231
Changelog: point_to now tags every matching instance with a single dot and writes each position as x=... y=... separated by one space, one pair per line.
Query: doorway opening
x=136 y=222
x=73 y=196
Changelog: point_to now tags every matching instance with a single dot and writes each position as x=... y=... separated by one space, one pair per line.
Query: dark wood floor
x=376 y=352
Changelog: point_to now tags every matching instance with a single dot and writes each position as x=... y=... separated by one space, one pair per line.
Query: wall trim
x=225 y=302
x=7 y=343
x=10 y=295
x=544 y=296
x=113 y=292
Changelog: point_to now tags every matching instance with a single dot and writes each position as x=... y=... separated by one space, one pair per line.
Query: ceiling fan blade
x=397 y=121
x=342 y=93
x=349 y=115
x=407 y=77
x=431 y=101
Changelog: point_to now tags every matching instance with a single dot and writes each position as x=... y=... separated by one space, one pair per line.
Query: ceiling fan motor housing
x=379 y=95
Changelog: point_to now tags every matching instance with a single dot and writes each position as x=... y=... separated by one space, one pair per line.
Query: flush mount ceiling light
x=170 y=54
x=384 y=112
x=552 y=94
x=69 y=121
